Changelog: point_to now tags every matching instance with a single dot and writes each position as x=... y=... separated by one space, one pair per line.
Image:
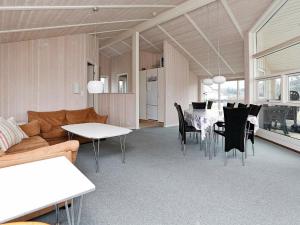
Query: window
x=210 y=92
x=282 y=27
x=229 y=91
x=294 y=87
x=269 y=89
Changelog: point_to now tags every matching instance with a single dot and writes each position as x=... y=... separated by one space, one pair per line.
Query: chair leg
x=253 y=149
x=243 y=158
x=225 y=161
x=197 y=137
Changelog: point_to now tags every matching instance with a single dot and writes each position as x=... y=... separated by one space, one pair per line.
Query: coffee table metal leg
x=71 y=212
x=57 y=214
x=123 y=147
x=97 y=153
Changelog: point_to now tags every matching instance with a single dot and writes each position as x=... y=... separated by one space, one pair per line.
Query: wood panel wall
x=40 y=74
x=177 y=83
x=119 y=107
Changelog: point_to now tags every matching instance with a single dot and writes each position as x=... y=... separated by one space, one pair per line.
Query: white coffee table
x=30 y=187
x=97 y=131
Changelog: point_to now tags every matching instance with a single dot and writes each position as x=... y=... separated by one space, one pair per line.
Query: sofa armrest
x=68 y=149
x=32 y=128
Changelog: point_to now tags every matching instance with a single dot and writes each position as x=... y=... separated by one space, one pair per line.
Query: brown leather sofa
x=51 y=123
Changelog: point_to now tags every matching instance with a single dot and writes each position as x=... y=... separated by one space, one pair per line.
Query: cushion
x=18 y=129
x=56 y=132
x=77 y=116
x=32 y=128
x=28 y=144
x=93 y=117
x=9 y=135
x=48 y=119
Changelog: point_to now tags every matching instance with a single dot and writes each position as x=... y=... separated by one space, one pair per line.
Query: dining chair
x=230 y=105
x=184 y=127
x=209 y=104
x=221 y=124
x=199 y=105
x=254 y=111
x=241 y=105
x=235 y=131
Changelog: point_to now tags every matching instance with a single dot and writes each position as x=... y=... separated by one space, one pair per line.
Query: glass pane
x=229 y=91
x=261 y=89
x=294 y=87
x=283 y=26
x=241 y=89
x=269 y=89
x=210 y=92
x=278 y=62
x=281 y=119
x=275 y=89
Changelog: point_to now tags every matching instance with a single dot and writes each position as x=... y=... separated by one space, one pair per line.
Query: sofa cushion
x=28 y=144
x=9 y=135
x=48 y=119
x=54 y=133
x=93 y=117
x=17 y=128
x=77 y=116
x=32 y=128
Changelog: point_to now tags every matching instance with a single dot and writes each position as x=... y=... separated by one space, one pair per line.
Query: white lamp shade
x=219 y=79
x=208 y=81
x=94 y=86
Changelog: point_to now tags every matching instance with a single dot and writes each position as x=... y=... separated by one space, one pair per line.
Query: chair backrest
x=254 y=109
x=235 y=125
x=294 y=96
x=241 y=105
x=209 y=104
x=230 y=105
x=180 y=117
x=199 y=105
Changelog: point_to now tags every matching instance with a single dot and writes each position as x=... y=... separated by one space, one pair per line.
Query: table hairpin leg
x=57 y=214
x=71 y=212
x=97 y=153
x=123 y=147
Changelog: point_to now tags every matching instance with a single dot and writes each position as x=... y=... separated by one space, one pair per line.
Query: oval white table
x=96 y=132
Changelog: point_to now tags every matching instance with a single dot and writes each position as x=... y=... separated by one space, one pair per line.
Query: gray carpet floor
x=160 y=186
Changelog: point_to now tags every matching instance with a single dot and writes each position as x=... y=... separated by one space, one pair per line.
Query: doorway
x=90 y=76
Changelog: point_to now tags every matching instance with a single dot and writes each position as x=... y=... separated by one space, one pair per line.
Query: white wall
x=177 y=82
x=193 y=87
x=39 y=75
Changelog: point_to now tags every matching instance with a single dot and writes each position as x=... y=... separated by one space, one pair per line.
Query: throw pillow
x=17 y=128
x=8 y=135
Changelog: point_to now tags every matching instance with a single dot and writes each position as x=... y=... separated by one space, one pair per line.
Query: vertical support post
x=249 y=62
x=135 y=73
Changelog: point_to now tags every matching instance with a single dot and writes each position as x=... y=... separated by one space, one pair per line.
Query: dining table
x=204 y=120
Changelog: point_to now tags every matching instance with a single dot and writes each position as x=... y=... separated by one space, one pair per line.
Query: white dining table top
x=96 y=130
x=29 y=187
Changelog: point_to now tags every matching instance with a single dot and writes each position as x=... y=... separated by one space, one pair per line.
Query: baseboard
x=280 y=139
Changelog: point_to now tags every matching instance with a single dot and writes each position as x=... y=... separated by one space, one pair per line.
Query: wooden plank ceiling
x=21 y=23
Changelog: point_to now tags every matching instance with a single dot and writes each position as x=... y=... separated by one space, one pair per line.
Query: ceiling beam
x=108 y=31
x=102 y=38
x=184 y=49
x=232 y=17
x=115 y=50
x=150 y=43
x=72 y=7
x=69 y=26
x=203 y=35
x=166 y=16
x=126 y=44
